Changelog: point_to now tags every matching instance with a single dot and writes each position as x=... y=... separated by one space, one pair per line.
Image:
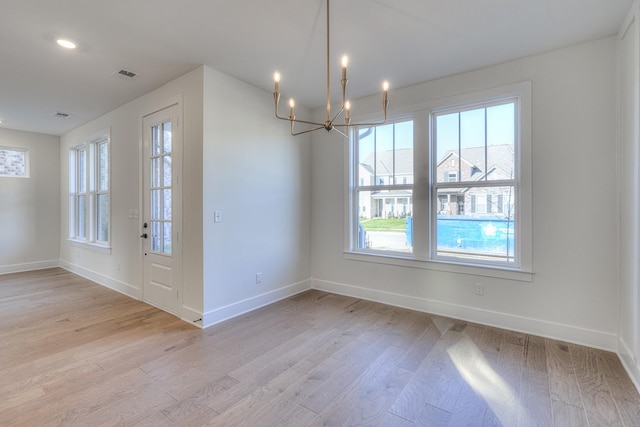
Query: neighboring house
x=490 y=163
x=469 y=165
x=381 y=168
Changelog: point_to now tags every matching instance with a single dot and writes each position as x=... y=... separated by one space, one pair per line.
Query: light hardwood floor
x=75 y=353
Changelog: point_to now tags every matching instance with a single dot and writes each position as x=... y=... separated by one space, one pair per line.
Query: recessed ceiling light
x=66 y=43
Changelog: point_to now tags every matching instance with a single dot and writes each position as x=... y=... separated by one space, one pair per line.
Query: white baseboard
x=191 y=315
x=630 y=365
x=109 y=282
x=221 y=314
x=28 y=266
x=543 y=328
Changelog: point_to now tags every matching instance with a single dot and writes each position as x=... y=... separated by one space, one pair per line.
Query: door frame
x=177 y=162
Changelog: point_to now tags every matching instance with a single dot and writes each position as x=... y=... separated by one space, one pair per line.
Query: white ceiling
x=404 y=41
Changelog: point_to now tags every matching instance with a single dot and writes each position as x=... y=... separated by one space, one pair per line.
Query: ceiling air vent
x=60 y=115
x=125 y=73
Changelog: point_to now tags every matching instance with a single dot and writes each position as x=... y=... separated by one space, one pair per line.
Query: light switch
x=217 y=216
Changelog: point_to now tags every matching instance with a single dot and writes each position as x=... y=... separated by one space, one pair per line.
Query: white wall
x=629 y=97
x=574 y=293
x=29 y=207
x=122 y=268
x=258 y=176
x=248 y=167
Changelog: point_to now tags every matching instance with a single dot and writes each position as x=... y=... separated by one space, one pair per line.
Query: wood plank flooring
x=75 y=353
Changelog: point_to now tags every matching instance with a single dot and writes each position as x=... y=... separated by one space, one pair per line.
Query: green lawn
x=380 y=224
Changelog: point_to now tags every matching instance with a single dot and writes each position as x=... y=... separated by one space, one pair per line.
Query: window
x=385 y=157
x=14 y=162
x=89 y=197
x=473 y=163
x=482 y=135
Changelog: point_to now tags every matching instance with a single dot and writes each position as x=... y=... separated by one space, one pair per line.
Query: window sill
x=90 y=246
x=451 y=267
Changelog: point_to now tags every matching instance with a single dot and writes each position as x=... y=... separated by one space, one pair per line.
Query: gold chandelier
x=330 y=124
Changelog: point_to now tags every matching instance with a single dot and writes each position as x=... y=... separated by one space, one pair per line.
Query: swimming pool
x=490 y=235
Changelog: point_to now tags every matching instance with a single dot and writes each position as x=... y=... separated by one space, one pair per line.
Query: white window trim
x=90 y=241
x=421 y=258
x=27 y=171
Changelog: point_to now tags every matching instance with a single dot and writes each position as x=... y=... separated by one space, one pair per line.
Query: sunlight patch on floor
x=499 y=396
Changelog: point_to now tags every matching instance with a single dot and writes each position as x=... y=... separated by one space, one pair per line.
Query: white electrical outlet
x=258 y=278
x=217 y=216
x=479 y=289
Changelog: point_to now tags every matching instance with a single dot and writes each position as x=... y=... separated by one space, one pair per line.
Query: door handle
x=143 y=235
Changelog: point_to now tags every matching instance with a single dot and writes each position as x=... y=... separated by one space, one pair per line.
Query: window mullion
x=475 y=184
x=421 y=193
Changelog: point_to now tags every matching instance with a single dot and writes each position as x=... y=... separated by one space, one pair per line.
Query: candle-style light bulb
x=385 y=89
x=292 y=104
x=347 y=107
x=345 y=62
x=276 y=78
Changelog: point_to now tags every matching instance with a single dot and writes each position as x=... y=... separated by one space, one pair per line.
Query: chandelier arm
x=340 y=132
x=337 y=114
x=281 y=118
x=306 y=122
x=307 y=131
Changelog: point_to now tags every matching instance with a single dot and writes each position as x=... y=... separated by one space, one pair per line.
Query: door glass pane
x=155 y=204
x=167 y=137
x=166 y=205
x=155 y=236
x=166 y=238
x=155 y=141
x=155 y=172
x=166 y=170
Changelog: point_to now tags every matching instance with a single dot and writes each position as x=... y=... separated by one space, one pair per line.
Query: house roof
x=384 y=162
x=499 y=157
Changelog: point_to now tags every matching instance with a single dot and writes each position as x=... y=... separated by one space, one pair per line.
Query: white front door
x=162 y=154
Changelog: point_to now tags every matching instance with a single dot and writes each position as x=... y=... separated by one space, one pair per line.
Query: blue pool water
x=488 y=234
